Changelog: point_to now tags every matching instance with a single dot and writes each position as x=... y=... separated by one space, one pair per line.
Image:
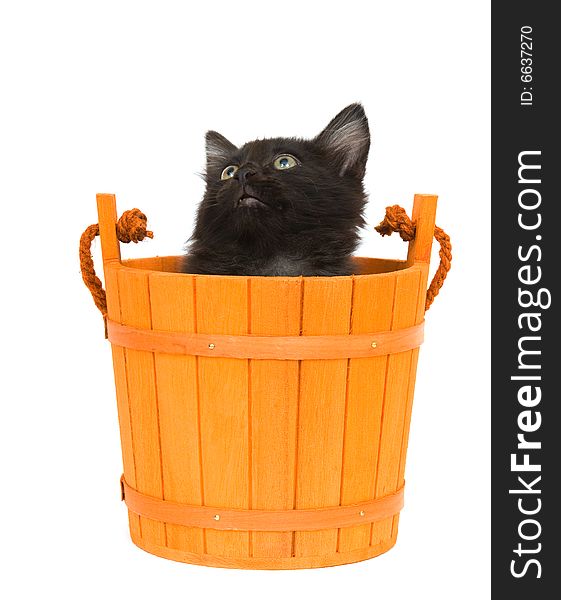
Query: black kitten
x=283 y=206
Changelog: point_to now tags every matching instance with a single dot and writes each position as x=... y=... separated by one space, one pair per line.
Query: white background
x=116 y=97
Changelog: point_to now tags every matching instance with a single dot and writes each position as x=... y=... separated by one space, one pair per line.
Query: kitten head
x=268 y=191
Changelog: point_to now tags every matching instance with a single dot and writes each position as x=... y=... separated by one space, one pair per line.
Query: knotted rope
x=396 y=219
x=131 y=227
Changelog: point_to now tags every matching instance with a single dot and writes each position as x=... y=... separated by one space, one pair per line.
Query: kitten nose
x=244 y=173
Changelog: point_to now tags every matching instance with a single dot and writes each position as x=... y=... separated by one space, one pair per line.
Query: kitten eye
x=285 y=161
x=229 y=172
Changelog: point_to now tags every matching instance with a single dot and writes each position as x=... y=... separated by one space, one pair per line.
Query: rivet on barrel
x=211 y=346
x=216 y=517
x=373 y=344
x=362 y=513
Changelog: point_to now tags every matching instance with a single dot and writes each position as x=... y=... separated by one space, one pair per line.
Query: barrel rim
x=129 y=266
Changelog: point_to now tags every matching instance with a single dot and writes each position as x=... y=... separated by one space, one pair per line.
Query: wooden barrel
x=264 y=420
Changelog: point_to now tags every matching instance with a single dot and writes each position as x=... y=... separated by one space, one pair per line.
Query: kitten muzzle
x=250 y=202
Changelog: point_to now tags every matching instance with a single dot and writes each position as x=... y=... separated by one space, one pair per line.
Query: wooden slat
x=424 y=214
x=372 y=311
x=275 y=310
x=414 y=358
x=110 y=251
x=222 y=307
x=419 y=252
x=395 y=398
x=326 y=309
x=289 y=347
x=107 y=220
x=259 y=520
x=135 y=310
x=411 y=389
x=173 y=309
x=123 y=409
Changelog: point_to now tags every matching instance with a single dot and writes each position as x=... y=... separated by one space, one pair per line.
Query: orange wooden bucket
x=264 y=420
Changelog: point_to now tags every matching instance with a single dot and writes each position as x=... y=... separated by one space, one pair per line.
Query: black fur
x=300 y=221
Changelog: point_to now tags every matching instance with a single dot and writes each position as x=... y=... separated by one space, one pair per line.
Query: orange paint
x=265 y=434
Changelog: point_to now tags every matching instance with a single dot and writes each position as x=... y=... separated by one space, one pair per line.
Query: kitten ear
x=218 y=150
x=347 y=139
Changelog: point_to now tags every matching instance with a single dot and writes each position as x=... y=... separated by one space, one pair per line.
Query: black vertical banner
x=526 y=331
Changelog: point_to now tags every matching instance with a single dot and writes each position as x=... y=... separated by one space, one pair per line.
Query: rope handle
x=131 y=227
x=396 y=219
